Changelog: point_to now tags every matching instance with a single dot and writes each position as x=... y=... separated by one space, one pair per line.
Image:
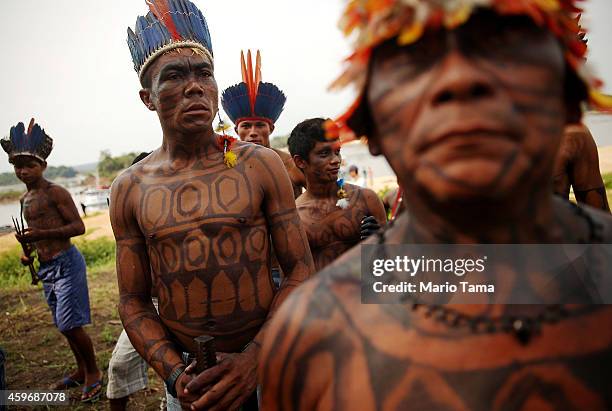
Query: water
x=9 y=210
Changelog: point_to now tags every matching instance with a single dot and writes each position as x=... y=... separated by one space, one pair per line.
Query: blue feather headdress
x=252 y=99
x=168 y=25
x=34 y=143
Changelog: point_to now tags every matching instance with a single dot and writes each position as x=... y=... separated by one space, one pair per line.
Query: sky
x=66 y=63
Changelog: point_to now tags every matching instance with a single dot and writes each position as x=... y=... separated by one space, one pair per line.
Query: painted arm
x=376 y=218
x=140 y=320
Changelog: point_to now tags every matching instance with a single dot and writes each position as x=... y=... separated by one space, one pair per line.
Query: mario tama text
x=458 y=267
x=485 y=273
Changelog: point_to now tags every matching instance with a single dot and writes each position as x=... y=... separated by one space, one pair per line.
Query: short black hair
x=140 y=156
x=305 y=135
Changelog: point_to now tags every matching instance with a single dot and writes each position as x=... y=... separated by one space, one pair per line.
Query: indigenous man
x=254 y=106
x=53 y=219
x=467 y=102
x=196 y=215
x=336 y=215
x=577 y=166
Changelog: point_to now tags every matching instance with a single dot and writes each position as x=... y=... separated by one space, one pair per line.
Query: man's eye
x=172 y=76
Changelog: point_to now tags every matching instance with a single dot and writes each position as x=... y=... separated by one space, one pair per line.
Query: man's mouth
x=469 y=134
x=196 y=108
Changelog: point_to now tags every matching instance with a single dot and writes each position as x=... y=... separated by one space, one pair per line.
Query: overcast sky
x=66 y=62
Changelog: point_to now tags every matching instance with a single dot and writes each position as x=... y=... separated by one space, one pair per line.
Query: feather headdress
x=35 y=142
x=253 y=99
x=169 y=24
x=374 y=21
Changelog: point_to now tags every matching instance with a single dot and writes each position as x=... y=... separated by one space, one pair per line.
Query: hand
x=369 y=226
x=186 y=399
x=26 y=260
x=227 y=385
x=30 y=235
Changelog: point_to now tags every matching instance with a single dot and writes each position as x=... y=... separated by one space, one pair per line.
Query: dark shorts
x=65 y=283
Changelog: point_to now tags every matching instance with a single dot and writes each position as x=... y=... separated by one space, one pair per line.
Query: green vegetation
x=98 y=253
x=9 y=178
x=279 y=142
x=110 y=166
x=607 y=178
x=383 y=192
x=10 y=196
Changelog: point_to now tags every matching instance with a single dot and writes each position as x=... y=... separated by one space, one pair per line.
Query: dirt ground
x=38 y=355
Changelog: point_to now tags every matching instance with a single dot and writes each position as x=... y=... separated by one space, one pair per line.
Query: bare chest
x=459 y=369
x=325 y=223
x=40 y=211
x=204 y=221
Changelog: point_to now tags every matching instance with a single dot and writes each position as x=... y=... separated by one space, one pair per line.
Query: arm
x=140 y=320
x=376 y=207
x=74 y=225
x=584 y=175
x=376 y=216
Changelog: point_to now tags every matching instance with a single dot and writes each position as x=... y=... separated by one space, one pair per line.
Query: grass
x=10 y=196
x=607 y=178
x=37 y=354
x=97 y=253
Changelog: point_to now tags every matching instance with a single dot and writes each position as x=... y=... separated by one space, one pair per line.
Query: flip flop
x=92 y=392
x=66 y=383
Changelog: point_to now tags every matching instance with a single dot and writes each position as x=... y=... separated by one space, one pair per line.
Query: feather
x=243 y=68
x=251 y=81
x=270 y=102
x=161 y=10
x=235 y=102
x=35 y=142
x=30 y=125
x=257 y=71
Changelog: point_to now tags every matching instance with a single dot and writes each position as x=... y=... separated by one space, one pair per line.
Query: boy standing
x=53 y=219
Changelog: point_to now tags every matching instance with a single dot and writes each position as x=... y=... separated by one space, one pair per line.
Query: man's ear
x=271 y=128
x=299 y=162
x=44 y=165
x=145 y=96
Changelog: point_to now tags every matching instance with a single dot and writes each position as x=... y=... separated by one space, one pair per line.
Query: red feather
x=161 y=10
x=251 y=82
x=30 y=126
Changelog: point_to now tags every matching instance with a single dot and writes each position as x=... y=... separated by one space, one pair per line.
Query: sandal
x=66 y=383
x=92 y=392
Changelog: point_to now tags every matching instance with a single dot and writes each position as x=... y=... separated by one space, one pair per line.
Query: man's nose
x=193 y=88
x=461 y=81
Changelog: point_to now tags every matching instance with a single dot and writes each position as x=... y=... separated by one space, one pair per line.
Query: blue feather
x=235 y=102
x=150 y=34
x=270 y=101
x=36 y=143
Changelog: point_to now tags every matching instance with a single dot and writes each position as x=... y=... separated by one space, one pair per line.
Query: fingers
x=231 y=398
x=368 y=219
x=208 y=377
x=191 y=368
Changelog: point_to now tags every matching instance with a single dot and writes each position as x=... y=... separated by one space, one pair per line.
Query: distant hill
x=86 y=168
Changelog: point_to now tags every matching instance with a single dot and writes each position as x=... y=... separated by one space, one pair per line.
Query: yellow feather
x=230 y=159
x=410 y=35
